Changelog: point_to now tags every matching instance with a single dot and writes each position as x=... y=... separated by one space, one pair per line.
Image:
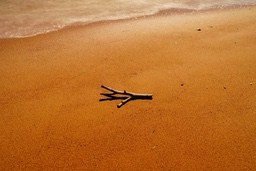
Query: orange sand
x=50 y=117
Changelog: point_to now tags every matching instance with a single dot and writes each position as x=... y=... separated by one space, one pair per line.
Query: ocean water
x=24 y=18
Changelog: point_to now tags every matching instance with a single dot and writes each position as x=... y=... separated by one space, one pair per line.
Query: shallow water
x=19 y=18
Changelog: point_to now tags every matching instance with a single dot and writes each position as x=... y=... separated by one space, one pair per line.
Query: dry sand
x=202 y=117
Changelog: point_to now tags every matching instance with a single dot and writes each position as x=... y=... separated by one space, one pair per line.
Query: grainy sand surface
x=202 y=117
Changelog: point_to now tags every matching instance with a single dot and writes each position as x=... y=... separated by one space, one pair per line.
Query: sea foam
x=32 y=17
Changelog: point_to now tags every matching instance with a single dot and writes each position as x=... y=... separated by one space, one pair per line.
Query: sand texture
x=203 y=112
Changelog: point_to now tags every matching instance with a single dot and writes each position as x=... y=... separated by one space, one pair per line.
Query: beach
x=199 y=66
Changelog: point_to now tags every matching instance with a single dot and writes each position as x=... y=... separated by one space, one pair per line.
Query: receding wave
x=29 y=18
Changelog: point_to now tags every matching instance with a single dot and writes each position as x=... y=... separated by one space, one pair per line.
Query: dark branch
x=123 y=95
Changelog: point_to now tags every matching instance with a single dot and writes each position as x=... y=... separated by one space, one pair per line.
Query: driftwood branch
x=125 y=96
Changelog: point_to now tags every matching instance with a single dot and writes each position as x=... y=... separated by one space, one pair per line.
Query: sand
x=203 y=112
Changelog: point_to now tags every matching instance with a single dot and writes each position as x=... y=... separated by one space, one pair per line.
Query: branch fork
x=125 y=96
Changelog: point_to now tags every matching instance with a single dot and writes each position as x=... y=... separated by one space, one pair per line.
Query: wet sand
x=203 y=112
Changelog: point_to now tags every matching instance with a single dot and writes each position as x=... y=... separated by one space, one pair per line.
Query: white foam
x=28 y=18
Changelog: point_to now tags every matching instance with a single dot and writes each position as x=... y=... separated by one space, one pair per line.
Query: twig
x=125 y=96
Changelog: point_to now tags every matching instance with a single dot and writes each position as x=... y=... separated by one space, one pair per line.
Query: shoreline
x=164 y=12
x=202 y=116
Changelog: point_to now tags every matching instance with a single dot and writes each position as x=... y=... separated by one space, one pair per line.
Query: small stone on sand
x=182 y=84
x=153 y=147
x=198 y=29
x=250 y=83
